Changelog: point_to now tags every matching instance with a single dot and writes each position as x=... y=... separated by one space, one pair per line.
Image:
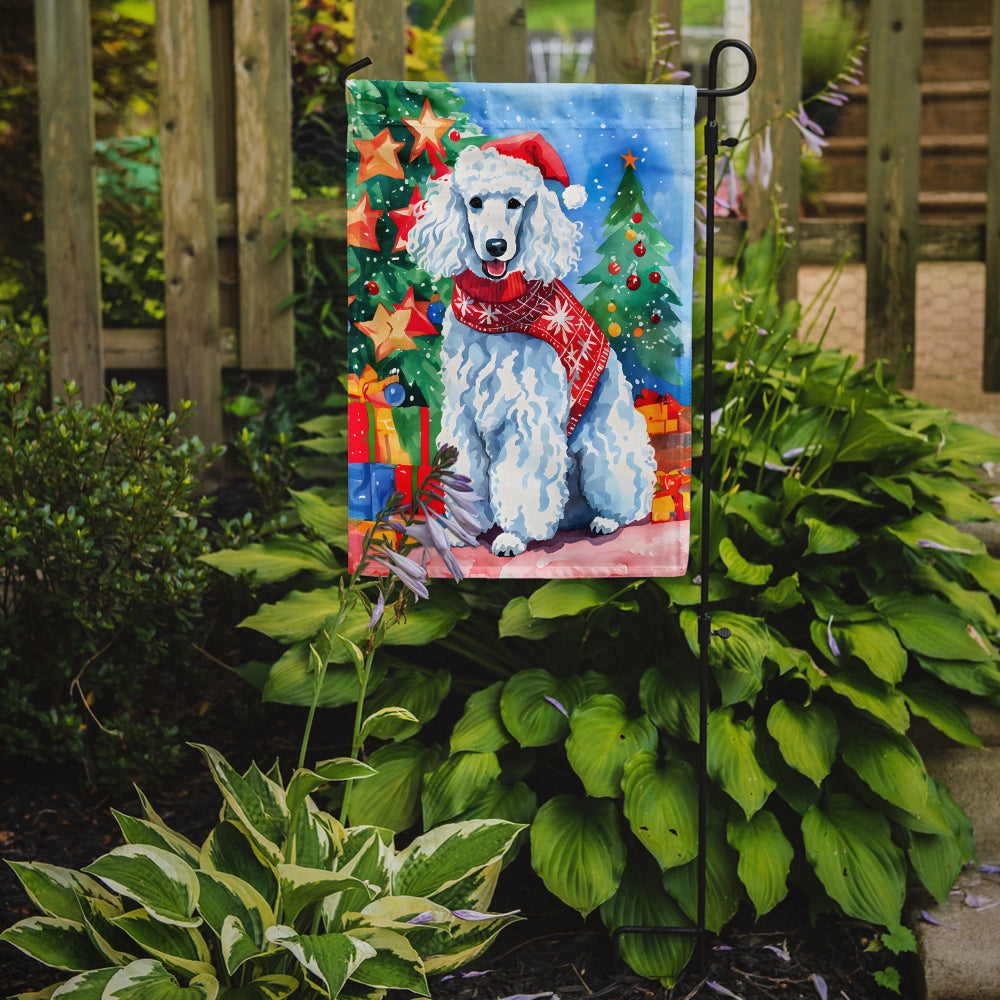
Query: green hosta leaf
x=578 y=851
x=56 y=891
x=738 y=661
x=528 y=710
x=807 y=736
x=976 y=678
x=180 y=948
x=330 y=959
x=516 y=620
x=54 y=941
x=866 y=692
x=386 y=723
x=602 y=738
x=893 y=488
x=230 y=849
x=147 y=979
x=671 y=699
x=417 y=690
x=765 y=858
x=828 y=539
x=758 y=511
x=395 y=964
x=141 y=831
x=560 y=598
x=739 y=569
x=937 y=858
x=301 y=887
x=850 y=848
x=986 y=571
x=456 y=784
x=928 y=528
x=661 y=798
x=941 y=709
x=876 y=646
x=292 y=681
x=391 y=798
x=732 y=760
x=481 y=728
x=328 y=521
x=965 y=443
x=783 y=595
x=441 y=857
x=723 y=889
x=226 y=898
x=641 y=901
x=975 y=605
x=516 y=803
x=870 y=436
x=279 y=558
x=957 y=501
x=274 y=987
x=260 y=809
x=888 y=763
x=931 y=628
x=160 y=882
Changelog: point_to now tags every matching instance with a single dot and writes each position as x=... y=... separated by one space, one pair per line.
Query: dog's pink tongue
x=496 y=268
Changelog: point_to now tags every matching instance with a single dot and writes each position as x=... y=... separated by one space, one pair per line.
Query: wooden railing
x=226 y=161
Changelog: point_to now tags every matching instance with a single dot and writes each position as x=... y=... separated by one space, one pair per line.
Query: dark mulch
x=551 y=951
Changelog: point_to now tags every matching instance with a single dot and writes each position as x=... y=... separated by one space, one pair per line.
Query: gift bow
x=369 y=388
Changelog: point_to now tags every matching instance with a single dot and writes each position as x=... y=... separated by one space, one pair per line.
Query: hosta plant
x=279 y=900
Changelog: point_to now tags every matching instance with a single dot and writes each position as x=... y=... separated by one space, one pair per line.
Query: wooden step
x=956 y=53
x=957 y=206
x=944 y=12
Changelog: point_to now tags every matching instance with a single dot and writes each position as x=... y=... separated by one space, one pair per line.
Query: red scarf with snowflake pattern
x=546 y=311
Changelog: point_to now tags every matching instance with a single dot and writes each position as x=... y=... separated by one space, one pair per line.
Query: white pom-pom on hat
x=575 y=196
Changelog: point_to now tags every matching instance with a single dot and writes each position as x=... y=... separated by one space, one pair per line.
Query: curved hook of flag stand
x=705 y=631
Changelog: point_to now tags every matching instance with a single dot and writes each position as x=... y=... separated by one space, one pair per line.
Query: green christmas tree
x=635 y=294
x=400 y=137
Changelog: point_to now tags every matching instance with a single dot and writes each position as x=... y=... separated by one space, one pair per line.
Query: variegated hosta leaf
x=481 y=727
x=141 y=831
x=367 y=853
x=723 y=889
x=56 y=891
x=147 y=979
x=274 y=987
x=476 y=890
x=456 y=784
x=158 y=880
x=230 y=849
x=765 y=858
x=535 y=706
x=602 y=737
x=642 y=902
x=807 y=736
x=304 y=782
x=300 y=887
x=98 y=915
x=86 y=986
x=441 y=857
x=177 y=947
x=578 y=851
x=888 y=763
x=395 y=964
x=256 y=801
x=468 y=939
x=55 y=941
x=850 y=847
x=732 y=760
x=391 y=799
x=328 y=959
x=225 y=897
x=661 y=800
x=315 y=838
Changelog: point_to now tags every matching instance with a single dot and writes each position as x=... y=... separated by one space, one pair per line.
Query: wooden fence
x=226 y=161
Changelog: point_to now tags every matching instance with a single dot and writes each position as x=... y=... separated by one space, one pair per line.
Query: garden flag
x=520 y=278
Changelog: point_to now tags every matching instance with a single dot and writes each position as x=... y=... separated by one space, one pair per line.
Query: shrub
x=854 y=605
x=99 y=539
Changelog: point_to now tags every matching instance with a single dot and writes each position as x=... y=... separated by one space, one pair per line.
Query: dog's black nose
x=496 y=248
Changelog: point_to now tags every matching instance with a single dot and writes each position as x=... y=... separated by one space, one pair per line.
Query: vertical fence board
x=262 y=60
x=501 y=41
x=622 y=40
x=380 y=34
x=72 y=256
x=190 y=253
x=991 y=332
x=776 y=35
x=893 y=183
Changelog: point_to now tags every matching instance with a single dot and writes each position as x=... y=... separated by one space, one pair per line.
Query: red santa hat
x=533 y=148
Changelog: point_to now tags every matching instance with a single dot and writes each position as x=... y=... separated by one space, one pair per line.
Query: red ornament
x=454 y=135
x=639 y=249
x=654 y=319
x=654 y=277
x=614 y=267
x=371 y=287
x=633 y=282
x=637 y=217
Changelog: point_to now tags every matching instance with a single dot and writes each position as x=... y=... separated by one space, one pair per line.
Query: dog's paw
x=507 y=544
x=603 y=526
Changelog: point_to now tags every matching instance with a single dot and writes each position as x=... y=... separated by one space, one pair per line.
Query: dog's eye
x=476 y=202
x=513 y=203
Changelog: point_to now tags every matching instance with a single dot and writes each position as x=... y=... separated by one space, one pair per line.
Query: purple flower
x=811 y=132
x=552 y=701
x=377 y=612
x=475 y=915
x=427 y=917
x=834 y=648
x=780 y=952
x=408 y=571
x=927 y=543
x=430 y=534
x=719 y=988
x=761 y=163
x=820 y=983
